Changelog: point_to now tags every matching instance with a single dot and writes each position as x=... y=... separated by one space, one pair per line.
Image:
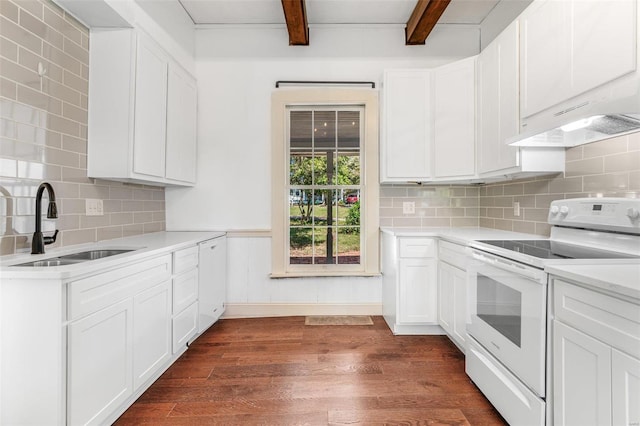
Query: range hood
x=600 y=114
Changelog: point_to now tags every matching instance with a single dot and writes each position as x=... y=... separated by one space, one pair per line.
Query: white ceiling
x=331 y=11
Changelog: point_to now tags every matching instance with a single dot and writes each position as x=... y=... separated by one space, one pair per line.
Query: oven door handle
x=508 y=266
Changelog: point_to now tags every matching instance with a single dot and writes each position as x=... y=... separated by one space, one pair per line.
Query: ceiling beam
x=423 y=19
x=296 y=17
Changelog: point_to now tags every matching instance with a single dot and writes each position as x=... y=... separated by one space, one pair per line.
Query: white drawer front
x=609 y=319
x=185 y=259
x=417 y=247
x=99 y=291
x=453 y=254
x=185 y=290
x=185 y=326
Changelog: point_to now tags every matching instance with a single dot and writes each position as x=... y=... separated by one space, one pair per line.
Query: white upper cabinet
x=428 y=125
x=499 y=115
x=498 y=111
x=454 y=129
x=181 y=125
x=142 y=109
x=150 y=114
x=571 y=47
x=406 y=126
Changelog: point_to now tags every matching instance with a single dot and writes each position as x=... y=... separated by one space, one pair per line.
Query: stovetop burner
x=548 y=249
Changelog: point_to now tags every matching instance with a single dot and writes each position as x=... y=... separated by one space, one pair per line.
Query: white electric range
x=507 y=298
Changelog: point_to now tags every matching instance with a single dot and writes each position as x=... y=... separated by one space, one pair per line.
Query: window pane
x=348 y=168
x=300 y=207
x=323 y=167
x=324 y=245
x=349 y=130
x=300 y=129
x=348 y=245
x=300 y=168
x=300 y=245
x=351 y=196
x=324 y=129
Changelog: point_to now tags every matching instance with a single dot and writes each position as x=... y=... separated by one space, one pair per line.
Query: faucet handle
x=51 y=239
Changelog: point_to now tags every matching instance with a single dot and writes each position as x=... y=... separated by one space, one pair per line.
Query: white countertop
x=146 y=245
x=620 y=276
x=613 y=276
x=461 y=235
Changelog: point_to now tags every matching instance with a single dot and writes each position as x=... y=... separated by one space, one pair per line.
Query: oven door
x=507 y=314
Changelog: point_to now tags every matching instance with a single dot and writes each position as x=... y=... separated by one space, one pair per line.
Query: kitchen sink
x=73 y=258
x=94 y=254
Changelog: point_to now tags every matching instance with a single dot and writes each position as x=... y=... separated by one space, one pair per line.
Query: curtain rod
x=279 y=82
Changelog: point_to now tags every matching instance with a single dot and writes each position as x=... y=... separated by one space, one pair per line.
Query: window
x=325 y=183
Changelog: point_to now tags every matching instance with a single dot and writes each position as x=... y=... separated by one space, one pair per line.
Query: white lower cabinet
x=452 y=295
x=100 y=363
x=625 y=388
x=418 y=296
x=151 y=332
x=409 y=281
x=452 y=292
x=582 y=378
x=184 y=322
x=596 y=357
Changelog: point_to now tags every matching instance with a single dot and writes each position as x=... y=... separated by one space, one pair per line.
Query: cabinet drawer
x=185 y=259
x=185 y=290
x=417 y=247
x=609 y=319
x=185 y=326
x=99 y=291
x=453 y=254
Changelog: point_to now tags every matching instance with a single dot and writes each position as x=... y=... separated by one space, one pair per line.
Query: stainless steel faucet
x=39 y=241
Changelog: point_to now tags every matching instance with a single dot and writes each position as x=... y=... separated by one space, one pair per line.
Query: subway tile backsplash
x=43 y=135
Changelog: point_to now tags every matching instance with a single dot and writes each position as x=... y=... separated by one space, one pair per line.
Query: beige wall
x=43 y=134
x=609 y=168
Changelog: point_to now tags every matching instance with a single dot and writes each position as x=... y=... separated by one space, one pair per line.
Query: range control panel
x=607 y=214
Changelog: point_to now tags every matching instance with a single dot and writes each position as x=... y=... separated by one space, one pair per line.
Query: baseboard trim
x=253 y=310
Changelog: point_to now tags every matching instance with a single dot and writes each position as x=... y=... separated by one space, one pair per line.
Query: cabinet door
x=499 y=109
x=545 y=56
x=603 y=42
x=150 y=109
x=581 y=378
x=418 y=291
x=100 y=363
x=405 y=153
x=625 y=387
x=445 y=297
x=454 y=119
x=213 y=281
x=460 y=306
x=181 y=126
x=151 y=332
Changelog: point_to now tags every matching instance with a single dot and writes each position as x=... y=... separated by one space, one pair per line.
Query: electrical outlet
x=516 y=208
x=408 y=207
x=94 y=207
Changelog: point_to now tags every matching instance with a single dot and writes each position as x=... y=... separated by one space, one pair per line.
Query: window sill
x=317 y=274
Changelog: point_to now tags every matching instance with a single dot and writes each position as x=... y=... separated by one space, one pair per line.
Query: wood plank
x=296 y=17
x=423 y=18
x=279 y=371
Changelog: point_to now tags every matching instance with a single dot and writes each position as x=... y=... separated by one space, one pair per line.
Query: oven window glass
x=500 y=307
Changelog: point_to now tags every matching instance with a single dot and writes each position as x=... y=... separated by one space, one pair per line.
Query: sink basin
x=94 y=254
x=70 y=259
x=56 y=261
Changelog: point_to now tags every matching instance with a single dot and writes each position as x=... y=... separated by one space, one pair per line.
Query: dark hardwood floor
x=277 y=371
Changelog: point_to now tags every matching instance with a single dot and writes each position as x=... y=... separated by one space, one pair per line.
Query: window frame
x=281 y=100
